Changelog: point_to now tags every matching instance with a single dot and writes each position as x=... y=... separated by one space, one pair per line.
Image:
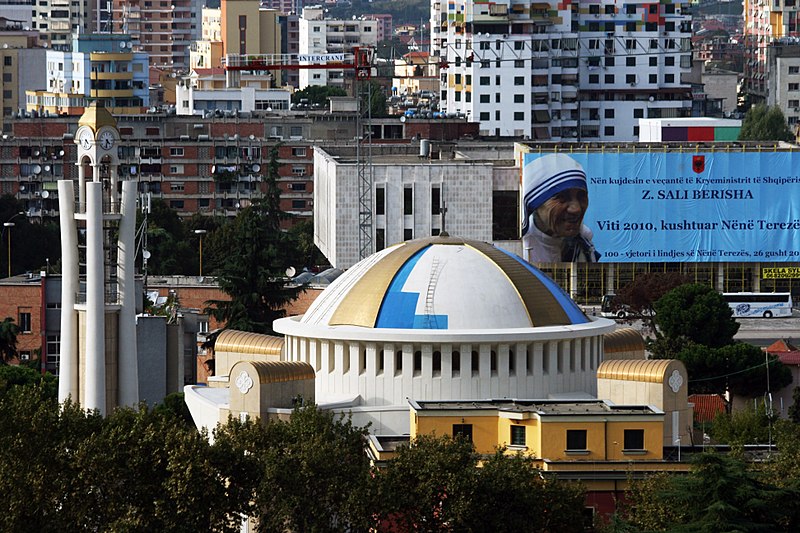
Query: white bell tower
x=98 y=366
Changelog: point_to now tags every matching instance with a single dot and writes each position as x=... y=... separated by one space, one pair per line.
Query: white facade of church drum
x=443 y=318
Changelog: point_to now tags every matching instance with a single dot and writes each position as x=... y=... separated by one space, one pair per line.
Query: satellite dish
x=37 y=169
x=122 y=44
x=403 y=118
x=213 y=169
x=256 y=167
x=290 y=272
x=47 y=168
x=61 y=152
x=133 y=170
x=146 y=254
x=36 y=153
x=45 y=194
x=252 y=137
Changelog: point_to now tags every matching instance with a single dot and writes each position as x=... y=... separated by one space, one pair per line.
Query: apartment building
x=57 y=21
x=763 y=22
x=783 y=87
x=563 y=71
x=320 y=36
x=164 y=29
x=99 y=66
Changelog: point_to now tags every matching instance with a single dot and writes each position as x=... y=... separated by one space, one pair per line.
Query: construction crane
x=360 y=61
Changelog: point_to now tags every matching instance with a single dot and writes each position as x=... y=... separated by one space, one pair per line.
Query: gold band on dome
x=233 y=341
x=542 y=307
x=282 y=371
x=648 y=370
x=361 y=305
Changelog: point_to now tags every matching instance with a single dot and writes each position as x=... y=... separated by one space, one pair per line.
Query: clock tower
x=99 y=364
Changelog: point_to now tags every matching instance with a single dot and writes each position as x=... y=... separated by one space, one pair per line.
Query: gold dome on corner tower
x=96 y=116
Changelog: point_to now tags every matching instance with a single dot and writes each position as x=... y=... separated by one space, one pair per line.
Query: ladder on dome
x=430 y=318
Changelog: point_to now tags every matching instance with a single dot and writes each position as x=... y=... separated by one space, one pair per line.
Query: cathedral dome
x=444 y=283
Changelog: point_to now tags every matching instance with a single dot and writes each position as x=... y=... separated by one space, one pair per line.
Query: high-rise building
x=569 y=70
x=764 y=23
x=164 y=29
x=57 y=20
x=321 y=36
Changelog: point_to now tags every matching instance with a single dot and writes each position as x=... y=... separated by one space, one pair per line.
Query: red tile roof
x=790 y=358
x=706 y=406
x=781 y=346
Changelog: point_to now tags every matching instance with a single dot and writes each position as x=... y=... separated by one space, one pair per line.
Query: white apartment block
x=783 y=87
x=329 y=36
x=57 y=20
x=549 y=70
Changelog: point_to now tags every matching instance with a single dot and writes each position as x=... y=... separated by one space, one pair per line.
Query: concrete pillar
x=81 y=188
x=128 y=355
x=68 y=357
x=95 y=379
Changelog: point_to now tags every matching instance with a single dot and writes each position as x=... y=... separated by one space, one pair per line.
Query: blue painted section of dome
x=398 y=309
x=574 y=313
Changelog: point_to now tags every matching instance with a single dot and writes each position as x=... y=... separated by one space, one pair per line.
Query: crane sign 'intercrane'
x=359 y=60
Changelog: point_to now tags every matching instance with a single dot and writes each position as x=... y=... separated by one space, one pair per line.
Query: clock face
x=86 y=139
x=106 y=140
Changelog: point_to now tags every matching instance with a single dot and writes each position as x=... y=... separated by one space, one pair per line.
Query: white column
x=128 y=355
x=81 y=187
x=68 y=357
x=95 y=378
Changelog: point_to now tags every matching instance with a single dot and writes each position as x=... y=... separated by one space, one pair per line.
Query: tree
x=794 y=409
x=765 y=124
x=314 y=474
x=529 y=501
x=19 y=376
x=373 y=99
x=8 y=340
x=743 y=426
x=303 y=234
x=317 y=94
x=719 y=494
x=428 y=486
x=640 y=296
x=253 y=273
x=698 y=313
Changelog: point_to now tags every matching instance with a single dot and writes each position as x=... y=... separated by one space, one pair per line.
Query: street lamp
x=200 y=233
x=8 y=224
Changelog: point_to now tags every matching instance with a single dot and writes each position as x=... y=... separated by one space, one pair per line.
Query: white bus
x=759 y=304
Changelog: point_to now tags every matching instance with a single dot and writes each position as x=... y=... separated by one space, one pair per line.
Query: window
x=7 y=61
x=794 y=86
x=608 y=131
x=594 y=78
x=634 y=440
x=176 y=204
x=517 y=435
x=463 y=431
x=609 y=78
x=519 y=115
x=177 y=152
x=25 y=321
x=519 y=98
x=792 y=70
x=298 y=152
x=176 y=186
x=653 y=78
x=417 y=363
x=380 y=201
x=638 y=113
x=475 y=363
x=436 y=200
x=398 y=362
x=630 y=61
x=455 y=360
x=408 y=201
x=669 y=78
x=519 y=80
x=298 y=204
x=669 y=61
x=610 y=61
x=608 y=113
x=576 y=440
x=484 y=115
x=436 y=363
x=408 y=234
x=484 y=80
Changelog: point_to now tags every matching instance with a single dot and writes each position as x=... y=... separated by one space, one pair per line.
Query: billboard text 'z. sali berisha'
x=685 y=207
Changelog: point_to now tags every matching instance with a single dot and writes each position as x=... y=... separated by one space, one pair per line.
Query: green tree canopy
x=765 y=124
x=317 y=94
x=8 y=340
x=253 y=273
x=719 y=494
x=698 y=313
x=640 y=296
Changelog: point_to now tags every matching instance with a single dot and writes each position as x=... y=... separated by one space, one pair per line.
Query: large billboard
x=662 y=206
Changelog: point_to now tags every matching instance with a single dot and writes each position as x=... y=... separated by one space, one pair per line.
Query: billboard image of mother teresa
x=554 y=202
